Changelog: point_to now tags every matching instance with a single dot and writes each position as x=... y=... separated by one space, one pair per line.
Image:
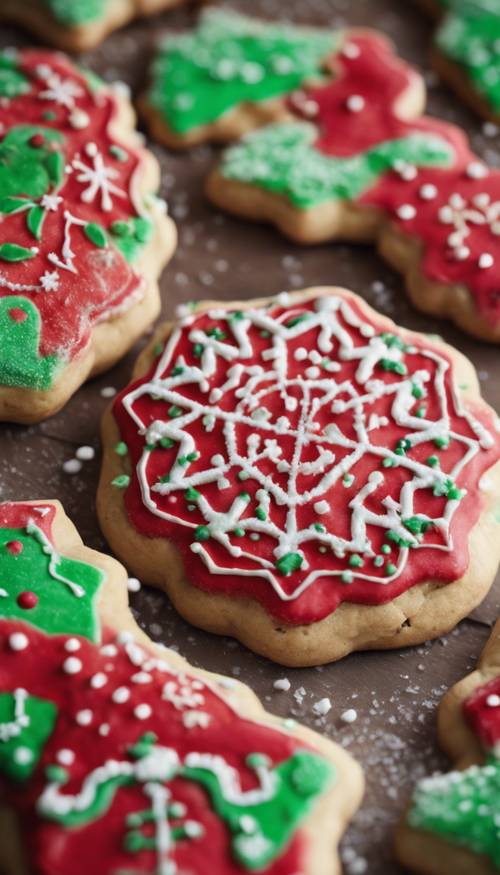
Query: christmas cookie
x=78 y=25
x=304 y=475
x=453 y=821
x=117 y=756
x=229 y=76
x=82 y=236
x=359 y=162
x=467 y=50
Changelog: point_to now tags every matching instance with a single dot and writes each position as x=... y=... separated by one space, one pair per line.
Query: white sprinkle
x=72 y=645
x=282 y=684
x=493 y=700
x=461 y=253
x=300 y=354
x=141 y=677
x=65 y=757
x=321 y=507
x=349 y=716
x=406 y=212
x=428 y=192
x=133 y=584
x=72 y=665
x=351 y=50
x=476 y=170
x=72 y=466
x=322 y=707
x=108 y=392
x=355 y=103
x=84 y=718
x=18 y=641
x=486 y=260
x=121 y=695
x=104 y=729
x=142 y=712
x=98 y=681
x=23 y=756
x=85 y=453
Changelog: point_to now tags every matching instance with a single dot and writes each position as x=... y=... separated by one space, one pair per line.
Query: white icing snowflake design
x=304 y=443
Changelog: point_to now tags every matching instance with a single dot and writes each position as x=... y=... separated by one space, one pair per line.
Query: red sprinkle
x=15 y=547
x=37 y=140
x=17 y=314
x=27 y=600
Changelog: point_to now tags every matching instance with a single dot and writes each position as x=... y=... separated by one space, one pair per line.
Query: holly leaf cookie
x=359 y=162
x=466 y=51
x=230 y=75
x=78 y=25
x=116 y=755
x=82 y=236
x=304 y=475
x=452 y=823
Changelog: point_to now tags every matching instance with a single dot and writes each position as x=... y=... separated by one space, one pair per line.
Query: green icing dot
x=199 y=76
x=20 y=362
x=283 y=160
x=121 y=482
x=27 y=724
x=121 y=448
x=289 y=563
x=76 y=12
x=131 y=236
x=13 y=82
x=201 y=533
x=462 y=808
x=66 y=589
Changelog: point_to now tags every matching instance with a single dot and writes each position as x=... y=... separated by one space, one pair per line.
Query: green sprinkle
x=242 y=475
x=191 y=494
x=433 y=461
x=378 y=561
x=176 y=371
x=245 y=496
x=217 y=333
x=319 y=527
x=355 y=561
x=201 y=533
x=348 y=480
x=346 y=577
x=238 y=314
x=157 y=349
x=421 y=411
x=117 y=152
x=394 y=367
x=442 y=442
x=238 y=532
x=121 y=448
x=261 y=514
x=389 y=463
x=390 y=569
x=289 y=563
x=385 y=549
x=265 y=333
x=174 y=411
x=49 y=115
x=167 y=443
x=56 y=774
x=417 y=391
x=198 y=350
x=122 y=481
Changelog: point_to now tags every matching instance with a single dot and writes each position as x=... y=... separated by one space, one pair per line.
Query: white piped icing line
x=238 y=401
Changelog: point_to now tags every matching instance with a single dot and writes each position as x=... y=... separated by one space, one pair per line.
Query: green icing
x=230 y=58
x=26 y=723
x=66 y=589
x=13 y=83
x=470 y=36
x=261 y=822
x=28 y=170
x=463 y=808
x=72 y=13
x=283 y=160
x=20 y=362
x=130 y=236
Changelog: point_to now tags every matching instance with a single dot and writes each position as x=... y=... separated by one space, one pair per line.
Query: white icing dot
x=79 y=119
x=406 y=212
x=461 y=253
x=142 y=712
x=72 y=645
x=351 y=50
x=349 y=716
x=18 y=641
x=23 y=756
x=72 y=466
x=300 y=354
x=486 y=260
x=72 y=665
x=493 y=700
x=476 y=170
x=355 y=103
x=85 y=453
x=321 y=507
x=428 y=192
x=91 y=150
x=65 y=757
x=104 y=729
x=121 y=695
x=84 y=717
x=313 y=372
x=133 y=584
x=98 y=680
x=322 y=707
x=217 y=460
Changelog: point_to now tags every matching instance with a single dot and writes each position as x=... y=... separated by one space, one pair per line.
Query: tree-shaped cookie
x=82 y=237
x=304 y=475
x=115 y=755
x=453 y=820
x=78 y=25
x=466 y=50
x=359 y=162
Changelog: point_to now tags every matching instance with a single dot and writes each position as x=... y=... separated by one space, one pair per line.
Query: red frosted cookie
x=358 y=161
x=304 y=475
x=452 y=822
x=117 y=756
x=82 y=236
x=78 y=25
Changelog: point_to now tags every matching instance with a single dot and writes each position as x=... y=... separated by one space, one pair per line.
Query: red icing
x=98 y=847
x=381 y=79
x=17 y=515
x=27 y=600
x=102 y=281
x=325 y=594
x=483 y=714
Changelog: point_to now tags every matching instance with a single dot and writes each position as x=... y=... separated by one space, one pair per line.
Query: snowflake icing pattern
x=298 y=443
